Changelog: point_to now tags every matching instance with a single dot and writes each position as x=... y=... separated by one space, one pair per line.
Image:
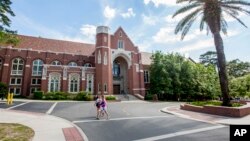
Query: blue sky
x=147 y=22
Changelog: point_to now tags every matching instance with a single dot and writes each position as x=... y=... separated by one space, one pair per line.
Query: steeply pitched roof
x=146 y=58
x=52 y=45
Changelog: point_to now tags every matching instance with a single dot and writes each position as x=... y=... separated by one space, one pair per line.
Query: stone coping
x=219 y=110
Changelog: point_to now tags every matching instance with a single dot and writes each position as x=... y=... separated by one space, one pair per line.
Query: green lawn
x=213 y=103
x=15 y=132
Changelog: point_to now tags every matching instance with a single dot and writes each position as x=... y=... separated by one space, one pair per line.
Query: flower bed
x=219 y=110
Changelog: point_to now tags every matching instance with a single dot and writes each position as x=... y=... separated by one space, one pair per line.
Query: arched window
x=17 y=66
x=37 y=67
x=72 y=64
x=87 y=65
x=74 y=80
x=56 y=63
x=54 y=82
x=116 y=68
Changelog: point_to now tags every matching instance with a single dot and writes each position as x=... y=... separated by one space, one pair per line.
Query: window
x=99 y=87
x=74 y=80
x=87 y=65
x=120 y=44
x=34 y=89
x=105 y=39
x=36 y=81
x=116 y=68
x=56 y=63
x=15 y=90
x=105 y=88
x=15 y=81
x=72 y=64
x=90 y=83
x=146 y=76
x=99 y=57
x=120 y=34
x=37 y=68
x=54 y=82
x=105 y=60
x=17 y=66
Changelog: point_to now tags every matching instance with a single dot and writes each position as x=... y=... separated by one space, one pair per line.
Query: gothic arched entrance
x=120 y=75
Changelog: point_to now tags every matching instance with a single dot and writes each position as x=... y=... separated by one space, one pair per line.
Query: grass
x=212 y=103
x=15 y=132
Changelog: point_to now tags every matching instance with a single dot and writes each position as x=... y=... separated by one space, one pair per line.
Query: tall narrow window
x=56 y=63
x=37 y=67
x=17 y=66
x=99 y=87
x=105 y=88
x=90 y=83
x=146 y=76
x=74 y=80
x=105 y=60
x=99 y=57
x=54 y=82
x=120 y=44
x=72 y=64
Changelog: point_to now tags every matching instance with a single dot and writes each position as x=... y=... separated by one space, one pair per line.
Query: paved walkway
x=46 y=127
x=214 y=119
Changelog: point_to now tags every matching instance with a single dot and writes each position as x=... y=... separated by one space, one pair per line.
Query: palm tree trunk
x=222 y=68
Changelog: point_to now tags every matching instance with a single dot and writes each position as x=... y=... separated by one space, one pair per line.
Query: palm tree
x=212 y=13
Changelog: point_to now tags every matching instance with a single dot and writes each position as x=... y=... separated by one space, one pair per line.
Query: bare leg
x=97 y=113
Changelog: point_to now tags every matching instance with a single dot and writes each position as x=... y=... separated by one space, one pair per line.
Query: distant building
x=110 y=66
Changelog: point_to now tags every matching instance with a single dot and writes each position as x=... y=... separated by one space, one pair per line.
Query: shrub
x=38 y=95
x=148 y=97
x=3 y=90
x=55 y=96
x=81 y=96
x=110 y=97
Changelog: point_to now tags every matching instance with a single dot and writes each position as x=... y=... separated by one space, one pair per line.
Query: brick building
x=112 y=65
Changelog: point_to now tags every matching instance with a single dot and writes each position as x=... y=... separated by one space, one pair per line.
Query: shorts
x=104 y=108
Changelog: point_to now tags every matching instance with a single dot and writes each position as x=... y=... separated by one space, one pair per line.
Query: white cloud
x=128 y=14
x=109 y=13
x=201 y=44
x=89 y=32
x=161 y=2
x=150 y=20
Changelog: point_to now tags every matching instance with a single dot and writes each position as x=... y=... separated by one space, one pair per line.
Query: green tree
x=7 y=36
x=212 y=15
x=240 y=86
x=237 y=68
x=209 y=58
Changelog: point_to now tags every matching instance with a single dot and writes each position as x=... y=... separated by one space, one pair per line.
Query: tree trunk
x=222 y=68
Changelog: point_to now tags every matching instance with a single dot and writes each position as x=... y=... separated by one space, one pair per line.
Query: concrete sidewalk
x=214 y=119
x=46 y=127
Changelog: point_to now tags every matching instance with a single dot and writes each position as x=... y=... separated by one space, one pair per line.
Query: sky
x=148 y=23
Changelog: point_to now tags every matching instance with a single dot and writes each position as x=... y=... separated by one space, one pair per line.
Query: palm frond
x=224 y=25
x=186 y=19
x=238 y=2
x=186 y=8
x=203 y=20
x=232 y=15
x=235 y=8
x=187 y=28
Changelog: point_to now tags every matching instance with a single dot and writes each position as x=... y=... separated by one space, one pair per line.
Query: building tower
x=103 y=61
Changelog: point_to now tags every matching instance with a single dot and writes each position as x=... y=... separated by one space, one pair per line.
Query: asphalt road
x=128 y=121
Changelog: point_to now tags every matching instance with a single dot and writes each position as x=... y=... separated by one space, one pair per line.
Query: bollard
x=11 y=98
x=8 y=98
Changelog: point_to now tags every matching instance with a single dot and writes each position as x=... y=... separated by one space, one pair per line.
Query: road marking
x=180 y=133
x=51 y=108
x=17 y=105
x=114 y=119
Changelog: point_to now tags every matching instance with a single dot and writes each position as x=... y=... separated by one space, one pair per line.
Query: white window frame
x=120 y=44
x=36 y=79
x=16 y=78
x=87 y=65
x=105 y=58
x=15 y=90
x=39 y=69
x=17 y=71
x=55 y=76
x=90 y=83
x=73 y=76
x=56 y=63
x=99 y=57
x=146 y=76
x=72 y=64
x=35 y=89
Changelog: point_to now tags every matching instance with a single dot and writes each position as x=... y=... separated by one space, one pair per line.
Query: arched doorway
x=120 y=75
